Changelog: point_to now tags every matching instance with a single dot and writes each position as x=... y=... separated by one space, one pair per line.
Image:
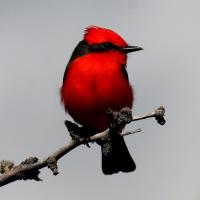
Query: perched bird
x=96 y=80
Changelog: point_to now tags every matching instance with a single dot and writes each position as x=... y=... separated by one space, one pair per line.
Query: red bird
x=96 y=80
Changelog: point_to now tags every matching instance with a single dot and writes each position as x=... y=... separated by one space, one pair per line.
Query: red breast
x=95 y=83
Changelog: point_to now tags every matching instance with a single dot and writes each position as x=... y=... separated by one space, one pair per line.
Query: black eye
x=107 y=45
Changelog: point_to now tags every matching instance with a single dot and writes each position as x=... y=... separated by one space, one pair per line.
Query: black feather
x=116 y=157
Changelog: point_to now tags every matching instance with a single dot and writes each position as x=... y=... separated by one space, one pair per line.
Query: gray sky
x=36 y=40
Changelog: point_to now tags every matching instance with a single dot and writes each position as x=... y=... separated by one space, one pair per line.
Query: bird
x=96 y=80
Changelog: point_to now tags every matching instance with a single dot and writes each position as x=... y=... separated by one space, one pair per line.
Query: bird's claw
x=86 y=141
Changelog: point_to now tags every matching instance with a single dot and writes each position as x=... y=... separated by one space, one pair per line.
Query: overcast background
x=36 y=40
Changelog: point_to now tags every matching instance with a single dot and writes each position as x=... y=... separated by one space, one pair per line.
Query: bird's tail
x=116 y=157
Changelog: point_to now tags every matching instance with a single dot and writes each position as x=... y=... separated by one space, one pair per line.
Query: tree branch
x=29 y=169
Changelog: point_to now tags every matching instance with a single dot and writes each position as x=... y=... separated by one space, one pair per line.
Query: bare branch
x=29 y=169
x=159 y=114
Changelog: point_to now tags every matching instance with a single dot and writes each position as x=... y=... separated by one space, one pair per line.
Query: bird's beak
x=129 y=49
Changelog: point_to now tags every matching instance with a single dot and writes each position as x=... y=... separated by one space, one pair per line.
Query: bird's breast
x=93 y=84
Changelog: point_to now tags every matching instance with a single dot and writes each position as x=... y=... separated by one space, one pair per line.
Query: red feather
x=93 y=84
x=97 y=35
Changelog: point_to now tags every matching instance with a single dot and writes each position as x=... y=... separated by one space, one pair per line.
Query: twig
x=29 y=169
x=132 y=132
x=159 y=114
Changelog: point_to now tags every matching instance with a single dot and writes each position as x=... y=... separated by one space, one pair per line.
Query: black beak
x=129 y=49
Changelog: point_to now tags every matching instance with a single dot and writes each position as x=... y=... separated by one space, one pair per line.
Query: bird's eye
x=107 y=45
x=102 y=47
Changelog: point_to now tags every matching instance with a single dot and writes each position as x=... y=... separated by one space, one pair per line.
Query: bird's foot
x=86 y=141
x=79 y=133
x=86 y=132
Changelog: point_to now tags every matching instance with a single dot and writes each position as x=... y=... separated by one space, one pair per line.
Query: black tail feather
x=116 y=157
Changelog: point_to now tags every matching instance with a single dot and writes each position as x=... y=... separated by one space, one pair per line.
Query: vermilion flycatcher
x=96 y=80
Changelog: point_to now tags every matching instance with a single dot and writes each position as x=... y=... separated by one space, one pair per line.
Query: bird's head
x=102 y=39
